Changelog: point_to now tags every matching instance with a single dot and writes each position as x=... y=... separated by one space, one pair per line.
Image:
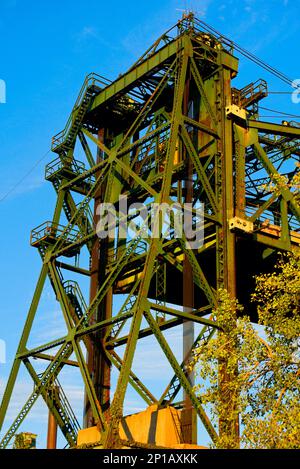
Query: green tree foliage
x=280 y=181
x=262 y=363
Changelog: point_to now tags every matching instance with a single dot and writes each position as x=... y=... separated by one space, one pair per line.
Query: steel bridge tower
x=170 y=129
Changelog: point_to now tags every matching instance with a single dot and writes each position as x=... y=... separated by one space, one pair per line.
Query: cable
x=229 y=43
x=278 y=117
x=24 y=177
x=248 y=54
x=279 y=112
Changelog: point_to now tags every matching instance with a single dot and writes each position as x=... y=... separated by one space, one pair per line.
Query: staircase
x=127 y=306
x=84 y=218
x=64 y=140
x=70 y=424
x=48 y=233
x=75 y=297
x=250 y=94
x=52 y=392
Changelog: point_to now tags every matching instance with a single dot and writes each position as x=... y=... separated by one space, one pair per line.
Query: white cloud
x=22 y=391
x=87 y=32
x=49 y=332
x=89 y=35
x=201 y=8
x=131 y=406
x=24 y=186
x=36 y=420
x=48 y=325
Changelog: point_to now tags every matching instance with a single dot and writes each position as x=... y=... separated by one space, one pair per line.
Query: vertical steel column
x=240 y=171
x=189 y=415
x=52 y=432
x=52 y=425
x=226 y=255
x=98 y=365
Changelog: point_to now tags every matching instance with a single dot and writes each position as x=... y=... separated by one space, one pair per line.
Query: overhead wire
x=229 y=43
x=248 y=54
x=281 y=113
x=13 y=188
x=276 y=117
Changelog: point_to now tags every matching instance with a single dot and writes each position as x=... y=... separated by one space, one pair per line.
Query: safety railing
x=86 y=212
x=267 y=216
x=68 y=411
x=140 y=249
x=294 y=124
x=58 y=164
x=51 y=231
x=250 y=94
x=271 y=217
x=127 y=306
x=254 y=91
x=92 y=83
x=73 y=291
x=64 y=409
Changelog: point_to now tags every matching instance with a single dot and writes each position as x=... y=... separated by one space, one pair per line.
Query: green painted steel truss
x=172 y=114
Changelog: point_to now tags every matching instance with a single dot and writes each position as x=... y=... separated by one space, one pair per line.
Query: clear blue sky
x=47 y=48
